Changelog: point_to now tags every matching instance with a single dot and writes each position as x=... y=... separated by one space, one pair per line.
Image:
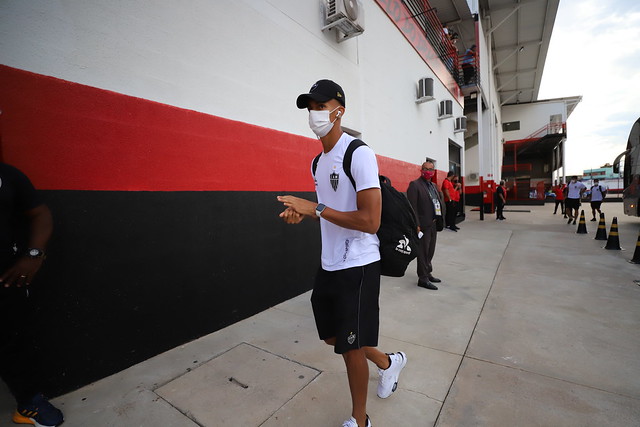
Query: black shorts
x=572 y=203
x=596 y=205
x=345 y=306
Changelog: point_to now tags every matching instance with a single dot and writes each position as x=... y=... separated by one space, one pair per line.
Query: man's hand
x=290 y=216
x=22 y=273
x=301 y=206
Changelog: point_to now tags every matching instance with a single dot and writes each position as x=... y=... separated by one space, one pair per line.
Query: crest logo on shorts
x=351 y=338
x=334 y=178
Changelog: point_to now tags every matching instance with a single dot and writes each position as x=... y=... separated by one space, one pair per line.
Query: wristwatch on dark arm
x=35 y=253
x=319 y=209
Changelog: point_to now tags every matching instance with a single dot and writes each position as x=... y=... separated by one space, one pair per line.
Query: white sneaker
x=351 y=422
x=389 y=377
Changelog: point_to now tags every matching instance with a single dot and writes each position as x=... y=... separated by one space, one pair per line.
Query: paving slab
x=246 y=383
x=570 y=315
x=485 y=394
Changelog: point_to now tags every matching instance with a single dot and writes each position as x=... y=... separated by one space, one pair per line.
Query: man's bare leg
x=380 y=359
x=358 y=374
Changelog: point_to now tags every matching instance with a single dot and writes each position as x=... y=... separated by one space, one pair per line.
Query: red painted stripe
x=68 y=136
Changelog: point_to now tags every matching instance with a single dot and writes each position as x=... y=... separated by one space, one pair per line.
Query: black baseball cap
x=322 y=91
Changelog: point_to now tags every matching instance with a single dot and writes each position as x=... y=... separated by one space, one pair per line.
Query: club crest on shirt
x=334 y=178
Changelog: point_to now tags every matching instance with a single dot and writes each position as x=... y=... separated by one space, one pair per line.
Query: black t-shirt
x=17 y=196
x=499 y=191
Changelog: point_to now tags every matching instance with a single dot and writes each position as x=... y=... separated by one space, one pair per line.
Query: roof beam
x=518 y=3
x=511 y=97
x=506 y=83
x=495 y=27
x=517 y=72
x=516 y=50
x=524 y=89
x=523 y=44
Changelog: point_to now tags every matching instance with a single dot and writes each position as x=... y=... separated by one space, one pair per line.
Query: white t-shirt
x=596 y=192
x=341 y=247
x=574 y=189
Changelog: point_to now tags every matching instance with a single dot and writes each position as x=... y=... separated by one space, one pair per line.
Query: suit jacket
x=420 y=200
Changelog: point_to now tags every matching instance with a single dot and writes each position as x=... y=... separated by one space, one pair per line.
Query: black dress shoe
x=434 y=279
x=427 y=285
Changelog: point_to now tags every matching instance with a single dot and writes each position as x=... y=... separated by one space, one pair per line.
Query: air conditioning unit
x=445 y=109
x=346 y=16
x=461 y=124
x=425 y=90
x=473 y=176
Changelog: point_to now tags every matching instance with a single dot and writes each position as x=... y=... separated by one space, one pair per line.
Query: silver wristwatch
x=319 y=209
x=35 y=253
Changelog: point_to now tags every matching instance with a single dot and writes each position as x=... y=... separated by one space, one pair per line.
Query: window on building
x=509 y=126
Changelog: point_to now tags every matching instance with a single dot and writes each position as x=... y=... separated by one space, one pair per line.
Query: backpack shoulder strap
x=314 y=165
x=348 y=156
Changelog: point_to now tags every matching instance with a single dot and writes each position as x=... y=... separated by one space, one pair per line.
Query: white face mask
x=319 y=122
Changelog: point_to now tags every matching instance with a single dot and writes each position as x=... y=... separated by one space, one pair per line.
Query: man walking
x=346 y=291
x=426 y=200
x=574 y=192
x=598 y=193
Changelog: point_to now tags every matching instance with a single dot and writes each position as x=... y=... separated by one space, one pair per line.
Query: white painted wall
x=485 y=159
x=532 y=117
x=245 y=60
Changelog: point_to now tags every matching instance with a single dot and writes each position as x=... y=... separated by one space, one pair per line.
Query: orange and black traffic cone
x=613 y=242
x=582 y=225
x=636 y=254
x=601 y=234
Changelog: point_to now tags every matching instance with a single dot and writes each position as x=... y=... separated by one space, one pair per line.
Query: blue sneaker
x=38 y=412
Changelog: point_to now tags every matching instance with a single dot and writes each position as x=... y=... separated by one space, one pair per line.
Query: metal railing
x=442 y=42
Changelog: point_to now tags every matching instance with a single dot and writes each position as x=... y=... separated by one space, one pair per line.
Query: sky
x=595 y=52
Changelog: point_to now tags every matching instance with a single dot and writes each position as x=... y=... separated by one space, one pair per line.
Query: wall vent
x=445 y=109
x=425 y=90
x=461 y=124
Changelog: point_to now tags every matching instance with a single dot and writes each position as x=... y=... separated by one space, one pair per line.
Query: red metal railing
x=442 y=43
x=549 y=129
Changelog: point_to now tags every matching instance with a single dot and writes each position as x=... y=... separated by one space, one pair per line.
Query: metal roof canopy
x=520 y=32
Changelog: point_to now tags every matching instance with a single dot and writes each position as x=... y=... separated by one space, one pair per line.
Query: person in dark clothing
x=469 y=65
x=501 y=199
x=426 y=200
x=25 y=228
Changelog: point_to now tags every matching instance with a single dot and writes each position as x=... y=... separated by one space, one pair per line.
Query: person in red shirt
x=448 y=190
x=559 y=192
x=457 y=186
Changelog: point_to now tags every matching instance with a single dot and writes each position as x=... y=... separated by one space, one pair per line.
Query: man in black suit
x=426 y=199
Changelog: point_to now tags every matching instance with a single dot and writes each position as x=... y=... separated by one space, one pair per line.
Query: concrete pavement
x=533 y=325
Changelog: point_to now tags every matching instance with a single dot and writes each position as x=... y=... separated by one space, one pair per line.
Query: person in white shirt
x=598 y=193
x=574 y=191
x=346 y=291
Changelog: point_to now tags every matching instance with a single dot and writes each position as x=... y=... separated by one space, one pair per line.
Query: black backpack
x=398 y=232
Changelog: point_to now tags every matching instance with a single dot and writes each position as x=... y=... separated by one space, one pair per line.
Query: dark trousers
x=468 y=73
x=426 y=249
x=499 y=208
x=18 y=353
x=561 y=203
x=452 y=212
